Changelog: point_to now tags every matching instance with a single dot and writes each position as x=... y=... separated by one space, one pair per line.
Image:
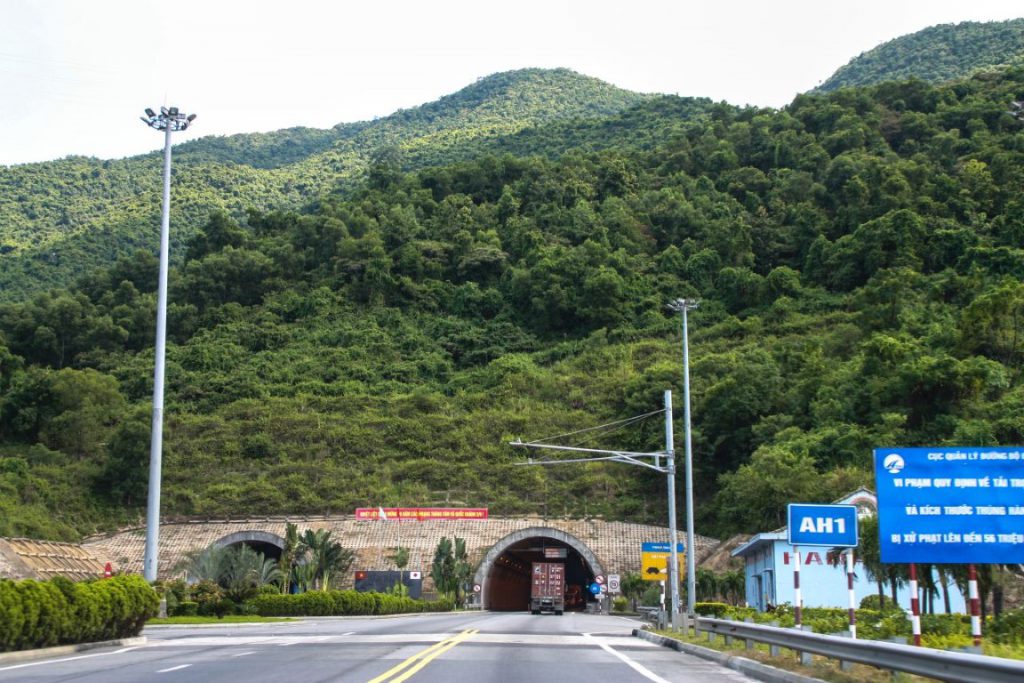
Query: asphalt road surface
x=475 y=647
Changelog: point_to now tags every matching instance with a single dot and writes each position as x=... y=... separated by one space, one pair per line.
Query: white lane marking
x=242 y=654
x=67 y=659
x=174 y=668
x=639 y=668
x=350 y=633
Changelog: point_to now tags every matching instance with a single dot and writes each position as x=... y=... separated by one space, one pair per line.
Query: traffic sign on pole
x=613 y=583
x=834 y=526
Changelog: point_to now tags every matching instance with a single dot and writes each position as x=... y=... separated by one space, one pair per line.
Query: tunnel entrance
x=505 y=573
x=270 y=545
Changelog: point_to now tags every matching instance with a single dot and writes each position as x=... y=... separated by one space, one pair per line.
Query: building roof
x=25 y=558
x=757 y=542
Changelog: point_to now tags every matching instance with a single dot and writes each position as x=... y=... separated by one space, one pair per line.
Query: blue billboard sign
x=828 y=525
x=662 y=547
x=951 y=505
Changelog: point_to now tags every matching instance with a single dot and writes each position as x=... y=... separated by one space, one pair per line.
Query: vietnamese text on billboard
x=421 y=514
x=951 y=505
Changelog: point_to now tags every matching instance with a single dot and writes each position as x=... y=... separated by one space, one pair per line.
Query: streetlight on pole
x=683 y=306
x=169 y=120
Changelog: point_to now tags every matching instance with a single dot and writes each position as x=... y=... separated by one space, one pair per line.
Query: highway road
x=468 y=646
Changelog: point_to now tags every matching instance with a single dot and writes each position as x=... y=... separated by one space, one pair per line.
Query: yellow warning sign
x=654 y=563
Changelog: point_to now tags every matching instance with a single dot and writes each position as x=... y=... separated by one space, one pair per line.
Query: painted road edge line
x=66 y=659
x=174 y=668
x=635 y=666
x=454 y=640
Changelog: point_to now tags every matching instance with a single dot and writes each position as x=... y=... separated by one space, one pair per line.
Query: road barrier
x=940 y=664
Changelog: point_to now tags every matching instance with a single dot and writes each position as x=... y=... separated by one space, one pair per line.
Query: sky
x=75 y=75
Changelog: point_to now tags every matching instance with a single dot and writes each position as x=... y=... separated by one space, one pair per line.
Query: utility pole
x=633 y=458
x=683 y=306
x=670 y=471
x=168 y=120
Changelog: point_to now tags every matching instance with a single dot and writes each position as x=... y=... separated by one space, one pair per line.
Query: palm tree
x=327 y=557
x=289 y=554
x=203 y=565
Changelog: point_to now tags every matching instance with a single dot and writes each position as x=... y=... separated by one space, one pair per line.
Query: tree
x=289 y=553
x=444 y=568
x=632 y=586
x=401 y=559
x=326 y=557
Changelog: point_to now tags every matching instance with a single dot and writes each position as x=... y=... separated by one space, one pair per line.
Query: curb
x=749 y=667
x=42 y=653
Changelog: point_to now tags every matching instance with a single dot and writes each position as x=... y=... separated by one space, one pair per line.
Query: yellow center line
x=424 y=657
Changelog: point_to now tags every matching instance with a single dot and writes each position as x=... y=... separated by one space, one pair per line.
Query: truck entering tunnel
x=508 y=581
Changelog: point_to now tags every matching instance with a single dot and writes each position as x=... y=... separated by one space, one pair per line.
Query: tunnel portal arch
x=270 y=544
x=503 y=573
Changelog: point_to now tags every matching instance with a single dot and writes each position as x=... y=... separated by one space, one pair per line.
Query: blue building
x=769 y=570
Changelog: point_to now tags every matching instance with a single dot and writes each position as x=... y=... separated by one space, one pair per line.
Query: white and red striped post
x=797 y=601
x=853 y=595
x=972 y=589
x=915 y=606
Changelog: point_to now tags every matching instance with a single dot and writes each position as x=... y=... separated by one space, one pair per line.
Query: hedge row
x=341 y=603
x=58 y=612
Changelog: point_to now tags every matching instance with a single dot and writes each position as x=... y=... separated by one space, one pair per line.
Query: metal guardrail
x=946 y=666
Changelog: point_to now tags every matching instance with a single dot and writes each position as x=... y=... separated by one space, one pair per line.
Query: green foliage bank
x=858 y=256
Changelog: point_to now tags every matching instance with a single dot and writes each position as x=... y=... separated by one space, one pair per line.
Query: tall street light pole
x=683 y=306
x=168 y=120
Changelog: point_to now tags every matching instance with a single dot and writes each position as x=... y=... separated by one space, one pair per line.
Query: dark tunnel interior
x=508 y=583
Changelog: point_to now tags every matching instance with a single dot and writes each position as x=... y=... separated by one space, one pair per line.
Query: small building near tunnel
x=499 y=548
x=769 y=559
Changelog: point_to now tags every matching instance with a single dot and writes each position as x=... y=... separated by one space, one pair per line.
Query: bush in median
x=44 y=613
x=341 y=603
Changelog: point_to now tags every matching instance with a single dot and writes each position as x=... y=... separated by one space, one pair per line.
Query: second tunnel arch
x=489 y=596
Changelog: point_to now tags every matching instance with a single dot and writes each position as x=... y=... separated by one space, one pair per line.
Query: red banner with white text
x=420 y=514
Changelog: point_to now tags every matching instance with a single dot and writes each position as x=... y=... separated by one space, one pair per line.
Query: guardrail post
x=773 y=650
x=728 y=637
x=843 y=664
x=806 y=658
x=749 y=643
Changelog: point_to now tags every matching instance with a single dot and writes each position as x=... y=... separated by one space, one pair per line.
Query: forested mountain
x=858 y=257
x=937 y=54
x=62 y=218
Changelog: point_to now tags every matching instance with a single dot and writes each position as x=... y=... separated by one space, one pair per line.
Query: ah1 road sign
x=827 y=525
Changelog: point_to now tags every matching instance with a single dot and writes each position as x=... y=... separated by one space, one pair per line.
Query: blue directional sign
x=951 y=505
x=828 y=525
x=595 y=588
x=662 y=547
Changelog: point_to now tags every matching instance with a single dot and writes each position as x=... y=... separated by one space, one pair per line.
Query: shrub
x=186 y=609
x=711 y=609
x=44 y=613
x=341 y=603
x=619 y=604
x=1008 y=629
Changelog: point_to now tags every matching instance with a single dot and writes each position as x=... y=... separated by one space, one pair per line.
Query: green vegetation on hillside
x=936 y=54
x=63 y=218
x=858 y=257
